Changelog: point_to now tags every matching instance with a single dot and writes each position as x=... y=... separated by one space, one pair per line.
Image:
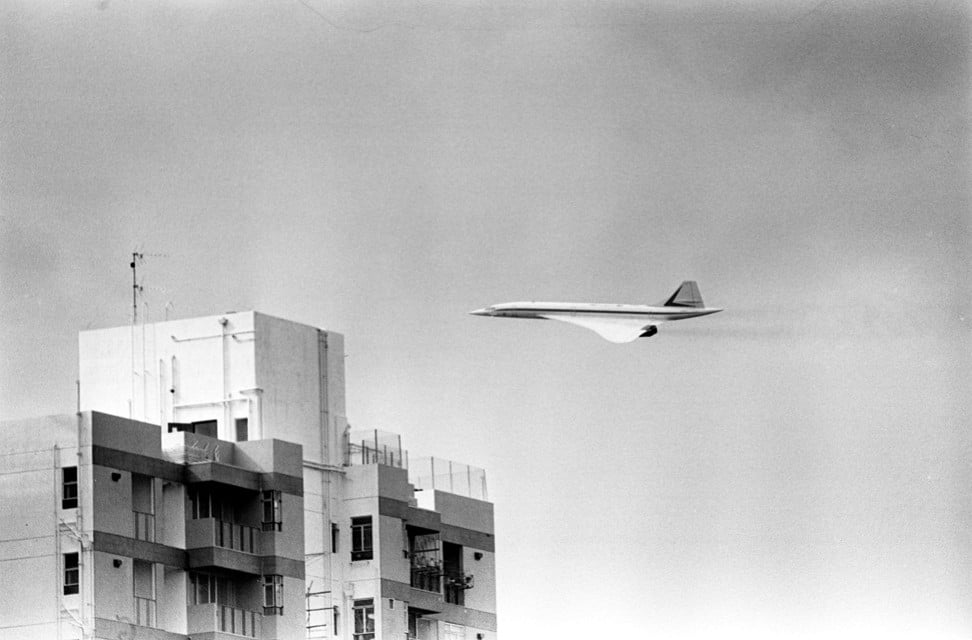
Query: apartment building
x=210 y=487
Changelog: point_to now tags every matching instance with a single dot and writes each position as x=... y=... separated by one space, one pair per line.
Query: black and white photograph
x=485 y=320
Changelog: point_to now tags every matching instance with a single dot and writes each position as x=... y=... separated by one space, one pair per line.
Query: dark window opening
x=205 y=428
x=69 y=488
x=335 y=536
x=72 y=574
x=361 y=538
x=453 y=576
x=272 y=520
x=242 y=429
x=212 y=503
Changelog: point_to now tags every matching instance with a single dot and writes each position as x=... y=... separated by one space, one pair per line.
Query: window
x=361 y=545
x=143 y=507
x=144 y=591
x=335 y=535
x=204 y=503
x=364 y=619
x=242 y=428
x=271 y=511
x=205 y=428
x=337 y=621
x=273 y=595
x=69 y=488
x=206 y=589
x=199 y=504
x=72 y=574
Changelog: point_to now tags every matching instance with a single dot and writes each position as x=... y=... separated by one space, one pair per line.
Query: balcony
x=224 y=620
x=426 y=576
x=212 y=532
x=425 y=559
x=215 y=543
x=238 y=537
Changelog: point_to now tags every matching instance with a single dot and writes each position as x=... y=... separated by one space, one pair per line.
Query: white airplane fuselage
x=540 y=311
x=613 y=322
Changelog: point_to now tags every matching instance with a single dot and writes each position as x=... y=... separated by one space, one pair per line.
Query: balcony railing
x=207 y=618
x=426 y=565
x=238 y=537
x=206 y=532
x=145 y=612
x=238 y=621
x=436 y=474
x=427 y=578
x=144 y=526
x=376 y=447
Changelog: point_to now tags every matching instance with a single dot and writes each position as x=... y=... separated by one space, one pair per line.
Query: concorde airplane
x=613 y=322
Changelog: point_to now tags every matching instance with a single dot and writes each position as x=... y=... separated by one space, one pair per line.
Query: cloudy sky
x=796 y=466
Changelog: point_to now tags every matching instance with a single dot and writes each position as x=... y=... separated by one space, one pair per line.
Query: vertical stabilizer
x=686 y=295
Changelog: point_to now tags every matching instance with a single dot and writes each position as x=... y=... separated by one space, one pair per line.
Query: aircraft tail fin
x=687 y=295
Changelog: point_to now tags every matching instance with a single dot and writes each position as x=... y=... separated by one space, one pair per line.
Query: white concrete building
x=239 y=402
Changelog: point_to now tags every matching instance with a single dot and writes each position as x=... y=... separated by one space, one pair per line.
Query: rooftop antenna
x=137 y=257
x=138 y=291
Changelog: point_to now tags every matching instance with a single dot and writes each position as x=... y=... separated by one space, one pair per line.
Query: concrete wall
x=286 y=361
x=113 y=501
x=172 y=515
x=289 y=541
x=30 y=499
x=393 y=483
x=290 y=625
x=394 y=564
x=293 y=363
x=30 y=586
x=114 y=595
x=184 y=370
x=360 y=482
x=464 y=512
x=482 y=596
x=114 y=432
x=210 y=368
x=393 y=617
x=269 y=455
x=173 y=585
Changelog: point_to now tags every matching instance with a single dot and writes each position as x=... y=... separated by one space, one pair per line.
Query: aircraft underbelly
x=612 y=327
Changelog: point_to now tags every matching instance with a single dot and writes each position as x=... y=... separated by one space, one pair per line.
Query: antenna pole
x=135 y=288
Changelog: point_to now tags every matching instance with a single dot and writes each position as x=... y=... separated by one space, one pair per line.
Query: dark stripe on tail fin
x=686 y=295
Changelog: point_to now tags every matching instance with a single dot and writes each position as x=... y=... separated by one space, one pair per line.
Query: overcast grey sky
x=796 y=466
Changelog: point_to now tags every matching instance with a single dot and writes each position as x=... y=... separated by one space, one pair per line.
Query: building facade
x=210 y=487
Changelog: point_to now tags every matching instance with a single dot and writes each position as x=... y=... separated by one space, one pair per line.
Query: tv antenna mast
x=137 y=258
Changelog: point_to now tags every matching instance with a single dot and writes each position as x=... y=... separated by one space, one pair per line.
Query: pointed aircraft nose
x=485 y=311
